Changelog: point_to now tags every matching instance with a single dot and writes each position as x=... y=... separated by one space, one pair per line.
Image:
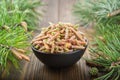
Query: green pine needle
x=107 y=40
x=12 y=34
x=23 y=10
x=108 y=50
x=97 y=11
x=15 y=38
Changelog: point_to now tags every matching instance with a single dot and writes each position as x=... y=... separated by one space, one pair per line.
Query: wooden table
x=55 y=11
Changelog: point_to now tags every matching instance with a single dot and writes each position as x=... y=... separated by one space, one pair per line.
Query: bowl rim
x=64 y=53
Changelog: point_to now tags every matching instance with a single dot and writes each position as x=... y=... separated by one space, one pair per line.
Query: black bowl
x=59 y=60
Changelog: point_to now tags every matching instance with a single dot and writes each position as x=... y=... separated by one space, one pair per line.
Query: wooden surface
x=55 y=11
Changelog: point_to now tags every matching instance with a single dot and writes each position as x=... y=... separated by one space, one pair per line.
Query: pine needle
x=100 y=11
x=107 y=16
x=16 y=18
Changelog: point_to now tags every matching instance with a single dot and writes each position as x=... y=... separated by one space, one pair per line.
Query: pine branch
x=16 y=38
x=114 y=13
x=93 y=64
x=24 y=11
x=32 y=16
x=106 y=14
x=16 y=18
x=109 y=48
x=100 y=11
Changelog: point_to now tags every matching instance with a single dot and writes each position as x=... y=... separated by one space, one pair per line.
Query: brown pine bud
x=24 y=25
x=19 y=54
x=16 y=53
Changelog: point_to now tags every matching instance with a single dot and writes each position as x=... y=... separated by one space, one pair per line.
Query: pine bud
x=6 y=28
x=93 y=71
x=24 y=25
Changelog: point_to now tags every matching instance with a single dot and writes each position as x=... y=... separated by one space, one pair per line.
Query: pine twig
x=93 y=64
x=113 y=64
x=114 y=13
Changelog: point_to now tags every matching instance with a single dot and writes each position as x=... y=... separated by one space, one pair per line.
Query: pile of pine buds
x=59 y=38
